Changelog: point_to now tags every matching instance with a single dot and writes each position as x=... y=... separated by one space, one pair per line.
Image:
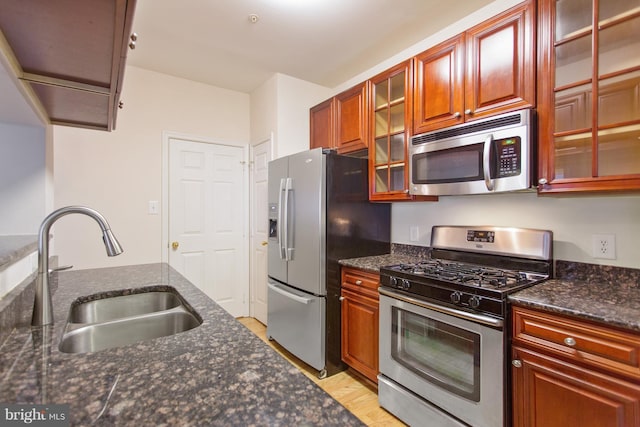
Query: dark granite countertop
x=373 y=263
x=606 y=303
x=216 y=374
x=12 y=248
x=400 y=254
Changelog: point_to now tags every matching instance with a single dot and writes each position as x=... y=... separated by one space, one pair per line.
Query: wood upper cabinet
x=487 y=70
x=321 y=125
x=589 y=95
x=390 y=109
x=570 y=372
x=360 y=314
x=351 y=119
x=70 y=56
x=341 y=122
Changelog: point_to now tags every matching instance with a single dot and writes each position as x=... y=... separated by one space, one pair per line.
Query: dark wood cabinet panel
x=360 y=313
x=500 y=74
x=551 y=393
x=487 y=70
x=438 y=87
x=321 y=125
x=571 y=372
x=351 y=119
x=341 y=122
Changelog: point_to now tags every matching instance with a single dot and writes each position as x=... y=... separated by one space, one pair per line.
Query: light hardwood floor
x=354 y=393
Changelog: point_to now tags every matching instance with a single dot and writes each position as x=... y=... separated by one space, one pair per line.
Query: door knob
x=264 y=243
x=175 y=245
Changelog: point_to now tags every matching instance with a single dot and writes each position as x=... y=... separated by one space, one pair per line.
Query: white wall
x=281 y=105
x=23 y=178
x=295 y=98
x=119 y=172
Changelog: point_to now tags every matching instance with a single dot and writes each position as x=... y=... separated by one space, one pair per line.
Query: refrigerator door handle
x=289 y=295
x=288 y=252
x=279 y=225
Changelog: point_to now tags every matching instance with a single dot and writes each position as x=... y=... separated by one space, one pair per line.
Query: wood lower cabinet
x=568 y=372
x=360 y=312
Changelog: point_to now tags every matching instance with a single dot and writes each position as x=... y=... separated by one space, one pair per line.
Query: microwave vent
x=492 y=124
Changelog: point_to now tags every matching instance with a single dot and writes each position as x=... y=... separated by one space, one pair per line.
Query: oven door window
x=438 y=352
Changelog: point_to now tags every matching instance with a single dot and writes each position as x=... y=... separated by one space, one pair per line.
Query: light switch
x=153 y=207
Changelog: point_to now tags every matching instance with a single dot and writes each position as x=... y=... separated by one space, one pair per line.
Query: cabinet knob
x=542 y=181
x=358 y=282
x=134 y=37
x=457 y=114
x=516 y=363
x=132 y=45
x=341 y=299
x=468 y=112
x=121 y=105
x=570 y=341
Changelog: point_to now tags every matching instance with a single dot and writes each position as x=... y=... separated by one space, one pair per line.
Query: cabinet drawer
x=360 y=281
x=589 y=344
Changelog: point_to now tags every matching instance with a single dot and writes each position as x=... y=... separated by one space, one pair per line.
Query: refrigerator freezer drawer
x=296 y=320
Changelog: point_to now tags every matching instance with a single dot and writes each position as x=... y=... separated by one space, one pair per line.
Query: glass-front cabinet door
x=589 y=95
x=391 y=120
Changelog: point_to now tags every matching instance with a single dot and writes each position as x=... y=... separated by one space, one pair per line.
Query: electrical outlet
x=604 y=246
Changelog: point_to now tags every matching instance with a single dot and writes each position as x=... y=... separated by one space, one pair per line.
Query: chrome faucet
x=42 y=306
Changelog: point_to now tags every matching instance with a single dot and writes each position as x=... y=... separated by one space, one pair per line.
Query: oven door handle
x=486 y=162
x=472 y=317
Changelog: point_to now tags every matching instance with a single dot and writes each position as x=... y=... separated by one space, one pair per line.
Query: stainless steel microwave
x=484 y=156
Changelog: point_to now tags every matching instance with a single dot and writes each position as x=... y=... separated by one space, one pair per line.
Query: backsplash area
x=573 y=220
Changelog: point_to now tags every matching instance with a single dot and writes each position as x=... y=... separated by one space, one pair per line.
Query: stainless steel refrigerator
x=319 y=213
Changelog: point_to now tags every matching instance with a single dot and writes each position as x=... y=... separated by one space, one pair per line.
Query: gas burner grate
x=468 y=274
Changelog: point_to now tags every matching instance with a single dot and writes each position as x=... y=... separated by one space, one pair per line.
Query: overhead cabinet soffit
x=69 y=56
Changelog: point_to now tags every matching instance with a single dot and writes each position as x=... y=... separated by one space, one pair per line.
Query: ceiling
x=326 y=42
x=321 y=41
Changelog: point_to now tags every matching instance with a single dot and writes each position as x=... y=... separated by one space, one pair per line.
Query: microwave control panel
x=509 y=158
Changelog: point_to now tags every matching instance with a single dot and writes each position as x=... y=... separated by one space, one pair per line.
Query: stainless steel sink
x=105 y=309
x=126 y=319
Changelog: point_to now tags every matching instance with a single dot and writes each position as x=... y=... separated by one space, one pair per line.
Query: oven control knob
x=474 y=301
x=405 y=284
x=456 y=297
x=393 y=282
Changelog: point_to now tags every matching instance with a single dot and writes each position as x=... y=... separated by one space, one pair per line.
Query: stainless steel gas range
x=443 y=331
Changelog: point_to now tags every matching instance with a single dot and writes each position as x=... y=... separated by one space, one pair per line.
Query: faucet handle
x=61 y=268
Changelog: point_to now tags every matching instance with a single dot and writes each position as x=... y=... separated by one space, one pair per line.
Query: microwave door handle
x=486 y=162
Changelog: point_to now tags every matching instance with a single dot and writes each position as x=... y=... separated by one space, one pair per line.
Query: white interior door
x=261 y=154
x=207 y=217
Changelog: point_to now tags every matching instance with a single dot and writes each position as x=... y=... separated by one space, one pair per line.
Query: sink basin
x=105 y=309
x=126 y=319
